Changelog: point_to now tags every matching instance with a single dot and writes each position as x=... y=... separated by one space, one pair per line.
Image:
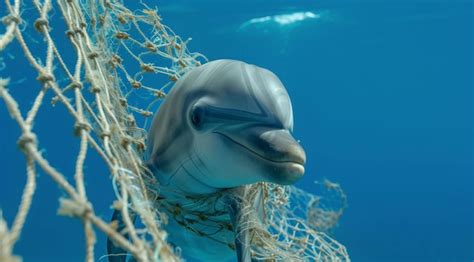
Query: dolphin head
x=228 y=123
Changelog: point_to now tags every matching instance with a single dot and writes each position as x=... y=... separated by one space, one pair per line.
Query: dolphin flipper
x=239 y=220
x=116 y=253
x=258 y=205
x=242 y=240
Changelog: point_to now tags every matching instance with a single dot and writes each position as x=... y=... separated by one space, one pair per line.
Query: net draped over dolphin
x=219 y=141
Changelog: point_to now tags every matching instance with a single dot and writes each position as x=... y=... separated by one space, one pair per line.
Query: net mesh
x=118 y=61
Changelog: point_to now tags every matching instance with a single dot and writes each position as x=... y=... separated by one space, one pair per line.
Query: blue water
x=382 y=95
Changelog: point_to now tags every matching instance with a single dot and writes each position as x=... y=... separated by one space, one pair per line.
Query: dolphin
x=224 y=124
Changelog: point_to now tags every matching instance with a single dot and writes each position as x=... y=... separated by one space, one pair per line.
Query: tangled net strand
x=121 y=59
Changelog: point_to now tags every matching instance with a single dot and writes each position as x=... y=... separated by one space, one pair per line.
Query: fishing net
x=116 y=69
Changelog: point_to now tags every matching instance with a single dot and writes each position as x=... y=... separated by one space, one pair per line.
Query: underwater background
x=382 y=95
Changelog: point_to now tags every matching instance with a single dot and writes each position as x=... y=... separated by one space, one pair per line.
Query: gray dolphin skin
x=223 y=125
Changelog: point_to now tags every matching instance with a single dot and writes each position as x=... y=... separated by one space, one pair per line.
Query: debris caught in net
x=118 y=66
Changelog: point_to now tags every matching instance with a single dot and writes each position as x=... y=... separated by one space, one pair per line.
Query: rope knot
x=41 y=24
x=26 y=139
x=95 y=89
x=79 y=126
x=74 y=208
x=105 y=134
x=116 y=60
x=76 y=84
x=74 y=31
x=93 y=55
x=125 y=142
x=7 y=20
x=123 y=102
x=45 y=77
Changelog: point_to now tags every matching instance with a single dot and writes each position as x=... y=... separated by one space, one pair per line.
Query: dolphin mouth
x=296 y=164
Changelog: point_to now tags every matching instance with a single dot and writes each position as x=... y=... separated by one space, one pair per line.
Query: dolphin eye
x=197 y=116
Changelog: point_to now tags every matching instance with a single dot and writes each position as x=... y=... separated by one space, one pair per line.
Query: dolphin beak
x=280 y=146
x=282 y=157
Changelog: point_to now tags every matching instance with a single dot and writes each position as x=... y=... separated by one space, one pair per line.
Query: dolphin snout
x=282 y=158
x=280 y=146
